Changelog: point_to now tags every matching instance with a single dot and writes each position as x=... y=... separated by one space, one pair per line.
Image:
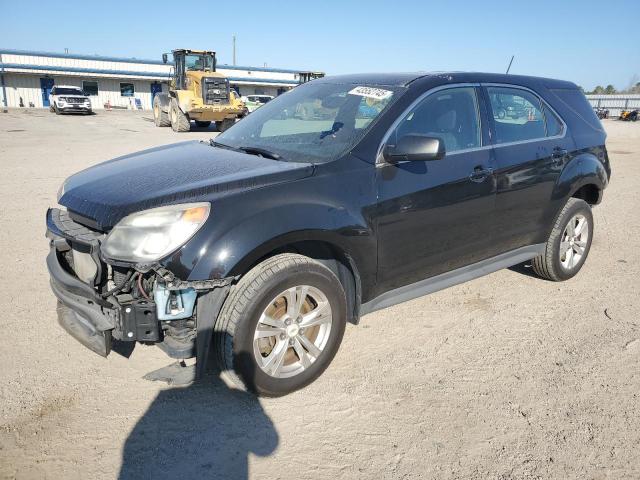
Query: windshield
x=199 y=63
x=69 y=91
x=314 y=122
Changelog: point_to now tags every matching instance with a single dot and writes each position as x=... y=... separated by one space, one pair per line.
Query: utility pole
x=234 y=50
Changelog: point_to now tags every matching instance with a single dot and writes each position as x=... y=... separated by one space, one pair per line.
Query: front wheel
x=160 y=117
x=225 y=124
x=281 y=325
x=179 y=121
x=569 y=243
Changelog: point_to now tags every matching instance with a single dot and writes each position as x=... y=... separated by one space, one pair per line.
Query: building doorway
x=46 y=84
x=155 y=89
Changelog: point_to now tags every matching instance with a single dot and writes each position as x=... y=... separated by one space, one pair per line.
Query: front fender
x=163 y=99
x=240 y=247
x=334 y=206
x=583 y=169
x=185 y=99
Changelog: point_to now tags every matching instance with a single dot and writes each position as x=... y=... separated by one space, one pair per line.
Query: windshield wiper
x=213 y=143
x=260 y=151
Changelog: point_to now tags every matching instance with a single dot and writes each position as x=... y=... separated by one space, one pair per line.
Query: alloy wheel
x=292 y=331
x=574 y=241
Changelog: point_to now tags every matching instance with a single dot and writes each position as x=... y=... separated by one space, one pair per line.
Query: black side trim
x=454 y=277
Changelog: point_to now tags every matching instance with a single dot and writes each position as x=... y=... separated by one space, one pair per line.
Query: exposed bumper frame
x=81 y=312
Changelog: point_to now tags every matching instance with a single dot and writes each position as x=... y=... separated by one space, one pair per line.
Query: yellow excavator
x=196 y=92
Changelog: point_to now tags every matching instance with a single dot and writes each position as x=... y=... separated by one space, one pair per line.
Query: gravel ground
x=507 y=376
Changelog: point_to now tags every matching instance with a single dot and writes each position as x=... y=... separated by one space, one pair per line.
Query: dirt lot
x=504 y=377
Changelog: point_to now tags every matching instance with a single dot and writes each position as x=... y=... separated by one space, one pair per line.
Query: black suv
x=343 y=196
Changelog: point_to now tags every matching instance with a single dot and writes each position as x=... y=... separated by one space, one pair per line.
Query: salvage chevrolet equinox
x=344 y=196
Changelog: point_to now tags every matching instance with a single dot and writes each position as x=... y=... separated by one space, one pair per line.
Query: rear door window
x=517 y=115
x=554 y=125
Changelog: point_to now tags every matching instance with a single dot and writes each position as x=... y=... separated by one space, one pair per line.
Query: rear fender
x=583 y=169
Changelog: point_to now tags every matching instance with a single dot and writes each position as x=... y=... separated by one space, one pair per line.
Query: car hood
x=178 y=173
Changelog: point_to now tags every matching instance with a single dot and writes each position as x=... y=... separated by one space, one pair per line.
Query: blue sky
x=578 y=41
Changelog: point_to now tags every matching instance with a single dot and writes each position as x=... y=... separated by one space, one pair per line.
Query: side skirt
x=454 y=277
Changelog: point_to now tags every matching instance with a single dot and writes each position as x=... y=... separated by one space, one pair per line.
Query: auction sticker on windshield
x=370 y=92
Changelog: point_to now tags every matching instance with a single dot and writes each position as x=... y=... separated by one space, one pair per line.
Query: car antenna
x=510 y=62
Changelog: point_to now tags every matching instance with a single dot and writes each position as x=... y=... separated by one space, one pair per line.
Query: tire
x=261 y=289
x=160 y=118
x=225 y=124
x=179 y=121
x=202 y=124
x=556 y=266
x=56 y=109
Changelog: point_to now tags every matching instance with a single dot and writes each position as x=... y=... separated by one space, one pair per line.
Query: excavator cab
x=196 y=92
x=186 y=61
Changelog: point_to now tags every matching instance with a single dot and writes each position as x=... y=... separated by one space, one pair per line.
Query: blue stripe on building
x=130 y=60
x=163 y=75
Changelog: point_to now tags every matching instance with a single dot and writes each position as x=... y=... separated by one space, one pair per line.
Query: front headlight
x=152 y=234
x=62 y=99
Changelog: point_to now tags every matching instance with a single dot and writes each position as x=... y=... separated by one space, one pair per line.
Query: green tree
x=598 y=90
x=610 y=90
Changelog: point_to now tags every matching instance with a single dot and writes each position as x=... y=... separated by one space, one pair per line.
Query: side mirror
x=413 y=148
x=165 y=59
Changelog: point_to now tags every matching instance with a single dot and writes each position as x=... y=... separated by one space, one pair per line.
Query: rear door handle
x=480 y=174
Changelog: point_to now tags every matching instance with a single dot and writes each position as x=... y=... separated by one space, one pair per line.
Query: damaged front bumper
x=95 y=309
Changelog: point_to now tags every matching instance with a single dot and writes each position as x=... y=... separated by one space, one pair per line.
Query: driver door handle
x=480 y=174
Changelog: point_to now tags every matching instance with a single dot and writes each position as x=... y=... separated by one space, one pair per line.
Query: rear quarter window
x=578 y=103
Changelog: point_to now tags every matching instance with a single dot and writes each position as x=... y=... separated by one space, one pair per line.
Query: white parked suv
x=69 y=99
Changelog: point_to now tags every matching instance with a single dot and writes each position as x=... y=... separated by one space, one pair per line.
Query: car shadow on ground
x=525 y=269
x=206 y=430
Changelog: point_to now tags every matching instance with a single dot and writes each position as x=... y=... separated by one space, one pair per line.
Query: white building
x=615 y=103
x=26 y=78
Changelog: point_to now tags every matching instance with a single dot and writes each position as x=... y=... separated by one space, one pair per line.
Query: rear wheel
x=179 y=121
x=569 y=243
x=281 y=325
x=160 y=117
x=225 y=124
x=202 y=124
